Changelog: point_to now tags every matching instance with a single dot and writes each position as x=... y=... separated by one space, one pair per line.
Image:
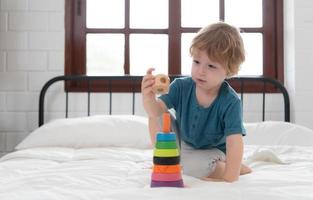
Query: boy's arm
x=154 y=122
x=234 y=153
x=153 y=107
x=150 y=103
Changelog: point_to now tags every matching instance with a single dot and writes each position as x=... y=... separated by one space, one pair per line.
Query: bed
x=110 y=157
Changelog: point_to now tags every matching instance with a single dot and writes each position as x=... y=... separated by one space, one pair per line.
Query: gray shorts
x=199 y=162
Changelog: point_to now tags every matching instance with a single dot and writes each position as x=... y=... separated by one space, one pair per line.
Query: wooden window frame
x=76 y=31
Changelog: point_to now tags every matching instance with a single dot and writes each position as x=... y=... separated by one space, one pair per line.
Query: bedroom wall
x=298 y=42
x=32 y=51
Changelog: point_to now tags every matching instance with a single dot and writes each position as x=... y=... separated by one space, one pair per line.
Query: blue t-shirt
x=205 y=127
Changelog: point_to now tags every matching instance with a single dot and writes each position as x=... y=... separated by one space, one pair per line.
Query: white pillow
x=93 y=131
x=278 y=133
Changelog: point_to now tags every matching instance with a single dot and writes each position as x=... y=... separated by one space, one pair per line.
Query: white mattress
x=279 y=172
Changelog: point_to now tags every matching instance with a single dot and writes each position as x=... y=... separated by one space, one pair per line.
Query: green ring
x=166 y=145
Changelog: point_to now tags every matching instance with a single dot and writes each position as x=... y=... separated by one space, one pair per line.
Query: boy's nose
x=202 y=69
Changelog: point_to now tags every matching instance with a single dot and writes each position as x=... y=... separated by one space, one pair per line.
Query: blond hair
x=223 y=44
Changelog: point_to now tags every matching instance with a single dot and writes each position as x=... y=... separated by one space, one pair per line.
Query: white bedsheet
x=279 y=172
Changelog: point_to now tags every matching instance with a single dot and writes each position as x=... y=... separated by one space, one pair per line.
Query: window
x=125 y=37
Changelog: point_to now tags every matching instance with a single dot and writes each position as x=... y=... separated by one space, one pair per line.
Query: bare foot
x=211 y=179
x=245 y=170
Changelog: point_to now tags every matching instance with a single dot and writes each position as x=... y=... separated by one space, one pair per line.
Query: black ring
x=166 y=160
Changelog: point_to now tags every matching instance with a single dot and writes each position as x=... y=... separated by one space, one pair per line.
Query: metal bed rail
x=241 y=79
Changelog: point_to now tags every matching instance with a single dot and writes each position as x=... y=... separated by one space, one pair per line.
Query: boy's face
x=206 y=73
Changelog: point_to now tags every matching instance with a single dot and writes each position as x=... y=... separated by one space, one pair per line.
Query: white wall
x=32 y=51
x=298 y=58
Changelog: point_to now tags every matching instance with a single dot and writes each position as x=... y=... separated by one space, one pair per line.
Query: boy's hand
x=151 y=104
x=146 y=84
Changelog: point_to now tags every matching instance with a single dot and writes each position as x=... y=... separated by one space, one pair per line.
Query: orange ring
x=167 y=169
x=166 y=118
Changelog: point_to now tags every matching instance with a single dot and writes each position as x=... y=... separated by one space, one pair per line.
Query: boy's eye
x=195 y=61
x=212 y=66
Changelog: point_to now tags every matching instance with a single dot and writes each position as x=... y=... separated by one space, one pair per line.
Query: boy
x=208 y=110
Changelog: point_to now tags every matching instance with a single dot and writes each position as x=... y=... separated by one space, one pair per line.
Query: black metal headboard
x=241 y=80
